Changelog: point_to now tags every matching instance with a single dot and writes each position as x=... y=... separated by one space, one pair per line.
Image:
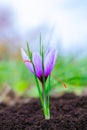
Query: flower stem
x=46 y=105
x=46 y=108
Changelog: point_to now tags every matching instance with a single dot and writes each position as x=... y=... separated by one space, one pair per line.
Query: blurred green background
x=69 y=69
x=63 y=25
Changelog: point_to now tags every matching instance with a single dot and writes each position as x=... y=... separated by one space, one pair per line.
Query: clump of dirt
x=68 y=112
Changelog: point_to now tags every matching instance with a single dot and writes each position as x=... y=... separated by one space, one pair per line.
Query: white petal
x=26 y=59
x=50 y=60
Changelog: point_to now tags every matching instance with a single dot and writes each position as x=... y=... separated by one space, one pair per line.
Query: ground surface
x=68 y=112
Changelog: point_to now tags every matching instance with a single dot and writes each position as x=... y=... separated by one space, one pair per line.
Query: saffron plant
x=41 y=65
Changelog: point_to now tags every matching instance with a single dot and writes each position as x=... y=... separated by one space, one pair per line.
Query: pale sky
x=69 y=17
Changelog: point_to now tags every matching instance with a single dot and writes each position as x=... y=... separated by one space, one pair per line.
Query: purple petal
x=47 y=51
x=38 y=64
x=27 y=60
x=50 y=60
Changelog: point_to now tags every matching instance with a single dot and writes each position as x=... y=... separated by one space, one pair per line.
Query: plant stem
x=45 y=97
x=46 y=105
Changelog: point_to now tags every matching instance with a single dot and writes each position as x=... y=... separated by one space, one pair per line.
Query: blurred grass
x=73 y=72
x=16 y=75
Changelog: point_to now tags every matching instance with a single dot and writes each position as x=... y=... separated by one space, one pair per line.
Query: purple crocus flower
x=49 y=62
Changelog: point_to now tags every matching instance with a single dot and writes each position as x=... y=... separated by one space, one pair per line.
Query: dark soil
x=68 y=112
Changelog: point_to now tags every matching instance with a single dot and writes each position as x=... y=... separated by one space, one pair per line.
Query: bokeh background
x=62 y=24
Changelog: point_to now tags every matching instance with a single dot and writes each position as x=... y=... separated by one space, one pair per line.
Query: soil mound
x=68 y=112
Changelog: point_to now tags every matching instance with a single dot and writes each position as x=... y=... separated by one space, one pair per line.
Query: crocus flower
x=41 y=65
x=49 y=62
